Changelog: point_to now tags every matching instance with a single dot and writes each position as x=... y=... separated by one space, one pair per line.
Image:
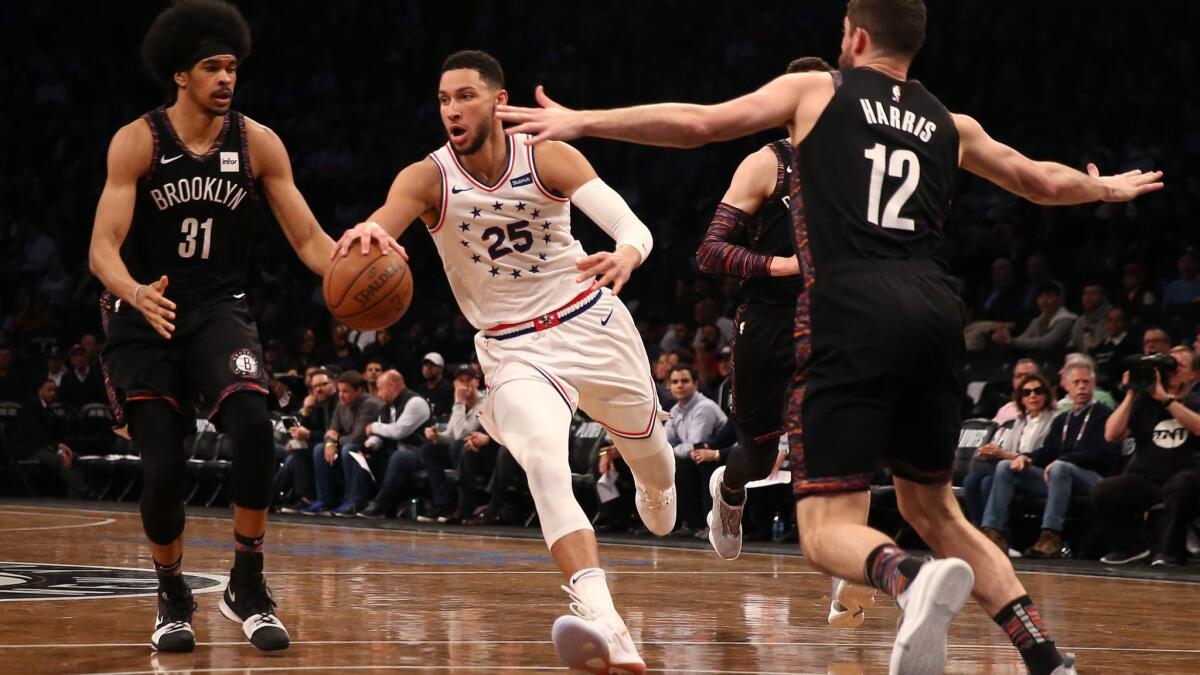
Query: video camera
x=1141 y=370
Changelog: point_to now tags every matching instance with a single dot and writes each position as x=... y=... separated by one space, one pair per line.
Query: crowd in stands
x=371 y=421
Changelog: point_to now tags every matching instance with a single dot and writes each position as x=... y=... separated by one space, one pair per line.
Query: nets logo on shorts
x=244 y=363
x=34 y=581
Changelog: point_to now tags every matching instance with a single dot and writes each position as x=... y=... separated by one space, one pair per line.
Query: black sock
x=247 y=557
x=890 y=569
x=1020 y=619
x=170 y=577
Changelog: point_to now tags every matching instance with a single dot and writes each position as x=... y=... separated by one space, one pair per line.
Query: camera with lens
x=1141 y=370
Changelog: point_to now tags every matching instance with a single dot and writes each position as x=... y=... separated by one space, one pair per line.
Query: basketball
x=368 y=292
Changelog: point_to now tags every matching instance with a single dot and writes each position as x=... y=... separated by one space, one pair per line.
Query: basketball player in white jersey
x=552 y=336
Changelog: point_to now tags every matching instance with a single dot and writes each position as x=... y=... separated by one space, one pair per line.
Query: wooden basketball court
x=370 y=598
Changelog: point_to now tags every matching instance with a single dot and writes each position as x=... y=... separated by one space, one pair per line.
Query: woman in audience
x=1032 y=397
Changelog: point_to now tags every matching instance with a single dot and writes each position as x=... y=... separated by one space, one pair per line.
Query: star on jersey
x=495 y=271
x=542 y=256
x=534 y=269
x=516 y=274
x=464 y=242
x=546 y=238
x=520 y=206
x=476 y=258
x=497 y=206
x=475 y=212
x=464 y=227
x=546 y=225
x=535 y=214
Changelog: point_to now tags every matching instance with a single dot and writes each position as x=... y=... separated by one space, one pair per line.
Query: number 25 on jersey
x=902 y=164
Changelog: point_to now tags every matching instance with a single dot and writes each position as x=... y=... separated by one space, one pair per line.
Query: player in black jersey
x=878 y=324
x=754 y=212
x=176 y=209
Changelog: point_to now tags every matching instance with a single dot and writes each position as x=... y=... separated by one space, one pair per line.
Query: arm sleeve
x=609 y=211
x=721 y=253
x=416 y=412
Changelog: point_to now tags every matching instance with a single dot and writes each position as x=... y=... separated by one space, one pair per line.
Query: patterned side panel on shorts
x=107 y=302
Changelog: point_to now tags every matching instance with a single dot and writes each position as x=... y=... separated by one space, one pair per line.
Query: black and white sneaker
x=173 y=627
x=254 y=608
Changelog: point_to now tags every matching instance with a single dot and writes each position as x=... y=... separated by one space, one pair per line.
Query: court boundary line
x=100 y=523
x=278 y=523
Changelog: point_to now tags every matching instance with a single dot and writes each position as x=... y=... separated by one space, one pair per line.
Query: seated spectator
x=706 y=313
x=1136 y=297
x=482 y=456
x=1111 y=351
x=1098 y=395
x=1090 y=328
x=1026 y=433
x=1164 y=424
x=1155 y=341
x=396 y=436
x=386 y=350
x=1001 y=299
x=38 y=436
x=342 y=352
x=694 y=419
x=1186 y=289
x=82 y=384
x=56 y=366
x=707 y=348
x=346 y=433
x=443 y=450
x=1037 y=277
x=434 y=386
x=371 y=375
x=725 y=384
x=1049 y=331
x=998 y=401
x=316 y=413
x=1074 y=457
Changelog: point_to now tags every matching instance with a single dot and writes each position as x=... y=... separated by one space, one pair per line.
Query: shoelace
x=580 y=607
x=657 y=500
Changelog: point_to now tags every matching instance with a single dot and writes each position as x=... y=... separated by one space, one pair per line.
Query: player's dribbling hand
x=612 y=268
x=366 y=234
x=550 y=122
x=1126 y=186
x=158 y=310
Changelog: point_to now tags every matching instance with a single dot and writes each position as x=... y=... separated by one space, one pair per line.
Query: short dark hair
x=806 y=64
x=689 y=368
x=352 y=378
x=182 y=32
x=1040 y=379
x=482 y=62
x=895 y=26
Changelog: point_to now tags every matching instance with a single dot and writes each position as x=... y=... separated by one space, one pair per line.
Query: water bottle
x=777 y=528
x=414 y=508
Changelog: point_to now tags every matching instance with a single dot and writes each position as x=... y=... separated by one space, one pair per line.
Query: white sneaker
x=1067 y=667
x=657 y=509
x=724 y=520
x=930 y=603
x=847 y=608
x=593 y=643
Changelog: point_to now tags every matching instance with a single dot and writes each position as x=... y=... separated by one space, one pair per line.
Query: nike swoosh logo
x=239 y=296
x=232 y=596
x=604 y=322
x=457 y=190
x=164 y=160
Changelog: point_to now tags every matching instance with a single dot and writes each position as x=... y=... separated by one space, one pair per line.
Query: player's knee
x=928 y=509
x=243 y=416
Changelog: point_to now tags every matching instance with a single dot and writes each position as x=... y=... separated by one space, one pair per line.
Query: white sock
x=592 y=585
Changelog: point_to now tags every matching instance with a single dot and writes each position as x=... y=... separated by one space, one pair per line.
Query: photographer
x=1160 y=414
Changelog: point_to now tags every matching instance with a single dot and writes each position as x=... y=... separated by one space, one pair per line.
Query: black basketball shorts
x=214 y=352
x=879 y=348
x=764 y=364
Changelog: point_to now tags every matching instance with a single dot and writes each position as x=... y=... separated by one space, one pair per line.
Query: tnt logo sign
x=1170 y=434
x=229 y=162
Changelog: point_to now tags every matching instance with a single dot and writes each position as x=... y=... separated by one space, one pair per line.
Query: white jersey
x=507 y=248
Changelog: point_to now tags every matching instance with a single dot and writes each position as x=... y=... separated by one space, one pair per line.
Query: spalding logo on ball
x=368 y=292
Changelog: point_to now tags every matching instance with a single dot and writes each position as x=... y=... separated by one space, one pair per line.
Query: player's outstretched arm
x=720 y=251
x=1046 y=183
x=415 y=193
x=564 y=169
x=129 y=157
x=274 y=169
x=676 y=125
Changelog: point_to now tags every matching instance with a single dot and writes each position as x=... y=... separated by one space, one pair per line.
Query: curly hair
x=189 y=31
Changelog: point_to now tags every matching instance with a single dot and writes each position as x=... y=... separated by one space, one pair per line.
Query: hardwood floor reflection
x=362 y=600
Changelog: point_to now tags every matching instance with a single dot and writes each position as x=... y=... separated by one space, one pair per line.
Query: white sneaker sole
x=856 y=599
x=732 y=548
x=935 y=598
x=583 y=647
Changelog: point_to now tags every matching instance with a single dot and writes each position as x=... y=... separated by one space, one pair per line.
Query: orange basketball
x=368 y=292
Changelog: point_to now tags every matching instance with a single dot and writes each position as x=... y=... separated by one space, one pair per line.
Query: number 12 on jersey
x=190 y=228
x=903 y=164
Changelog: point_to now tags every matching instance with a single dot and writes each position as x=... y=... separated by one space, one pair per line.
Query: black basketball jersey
x=771 y=234
x=192 y=221
x=874 y=177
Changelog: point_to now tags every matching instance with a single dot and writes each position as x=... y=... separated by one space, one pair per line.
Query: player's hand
x=784 y=267
x=612 y=268
x=550 y=122
x=158 y=310
x=366 y=234
x=1126 y=186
